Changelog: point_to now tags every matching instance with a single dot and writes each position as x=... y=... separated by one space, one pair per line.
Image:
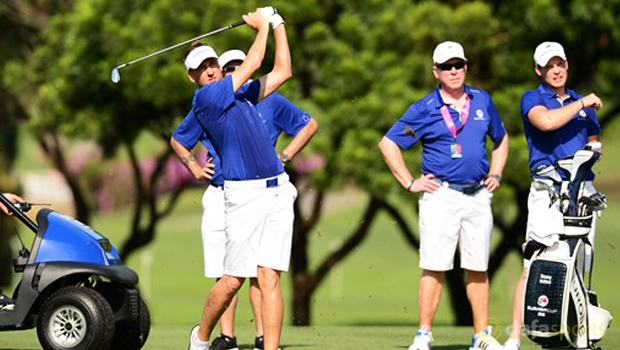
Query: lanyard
x=448 y=118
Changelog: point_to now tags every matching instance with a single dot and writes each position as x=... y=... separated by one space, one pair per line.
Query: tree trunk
x=306 y=282
x=52 y=147
x=147 y=197
x=302 y=296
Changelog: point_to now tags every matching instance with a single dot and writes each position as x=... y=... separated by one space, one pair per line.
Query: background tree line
x=357 y=67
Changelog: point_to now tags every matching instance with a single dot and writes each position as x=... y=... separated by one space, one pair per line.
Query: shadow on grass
x=412 y=324
x=282 y=346
x=446 y=347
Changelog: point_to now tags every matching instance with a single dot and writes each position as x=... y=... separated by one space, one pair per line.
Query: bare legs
x=265 y=295
x=431 y=285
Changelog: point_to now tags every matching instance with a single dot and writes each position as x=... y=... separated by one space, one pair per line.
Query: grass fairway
x=369 y=301
x=309 y=338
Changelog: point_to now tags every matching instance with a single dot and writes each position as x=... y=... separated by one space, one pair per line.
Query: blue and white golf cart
x=74 y=288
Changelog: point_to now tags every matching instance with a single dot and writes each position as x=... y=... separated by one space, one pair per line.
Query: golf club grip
x=235 y=25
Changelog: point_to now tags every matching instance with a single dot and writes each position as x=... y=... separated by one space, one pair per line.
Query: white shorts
x=545 y=221
x=259 y=225
x=213 y=229
x=448 y=218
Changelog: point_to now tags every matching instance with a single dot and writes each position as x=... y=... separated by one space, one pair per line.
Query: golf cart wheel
x=75 y=318
x=132 y=335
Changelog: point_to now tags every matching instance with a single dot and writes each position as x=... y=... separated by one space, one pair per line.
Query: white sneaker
x=194 y=342
x=512 y=344
x=422 y=341
x=485 y=341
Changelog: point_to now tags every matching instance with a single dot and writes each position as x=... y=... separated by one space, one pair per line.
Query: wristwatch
x=283 y=157
x=497 y=177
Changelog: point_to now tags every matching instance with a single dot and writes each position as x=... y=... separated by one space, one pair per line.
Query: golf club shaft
x=230 y=26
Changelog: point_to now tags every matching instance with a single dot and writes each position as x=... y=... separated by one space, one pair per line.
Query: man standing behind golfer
x=456 y=184
x=279 y=115
x=258 y=196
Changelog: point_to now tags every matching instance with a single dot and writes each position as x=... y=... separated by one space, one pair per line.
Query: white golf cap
x=448 y=50
x=546 y=51
x=198 y=55
x=231 y=55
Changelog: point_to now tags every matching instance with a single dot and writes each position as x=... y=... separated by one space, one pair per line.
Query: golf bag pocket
x=555 y=303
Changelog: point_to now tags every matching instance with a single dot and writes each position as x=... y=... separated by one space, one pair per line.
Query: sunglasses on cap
x=449 y=66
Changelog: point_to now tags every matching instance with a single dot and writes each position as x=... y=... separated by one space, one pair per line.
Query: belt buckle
x=272 y=182
x=472 y=189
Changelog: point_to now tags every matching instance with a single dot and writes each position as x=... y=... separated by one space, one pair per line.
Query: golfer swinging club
x=280 y=115
x=258 y=196
x=456 y=184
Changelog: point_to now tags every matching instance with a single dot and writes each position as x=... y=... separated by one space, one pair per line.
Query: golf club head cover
x=272 y=16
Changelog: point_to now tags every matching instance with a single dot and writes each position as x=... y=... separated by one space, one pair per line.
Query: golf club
x=116 y=76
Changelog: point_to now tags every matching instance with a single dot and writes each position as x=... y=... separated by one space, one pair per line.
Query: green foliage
x=357 y=66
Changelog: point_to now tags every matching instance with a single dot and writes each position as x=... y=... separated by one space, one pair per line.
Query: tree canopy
x=357 y=66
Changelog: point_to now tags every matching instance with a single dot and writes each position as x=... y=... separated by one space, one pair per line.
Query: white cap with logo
x=546 y=51
x=231 y=55
x=198 y=55
x=448 y=50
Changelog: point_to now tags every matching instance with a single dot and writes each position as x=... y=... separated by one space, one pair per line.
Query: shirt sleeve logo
x=479 y=115
x=582 y=114
x=409 y=132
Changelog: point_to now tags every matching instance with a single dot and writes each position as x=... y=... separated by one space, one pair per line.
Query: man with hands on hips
x=456 y=186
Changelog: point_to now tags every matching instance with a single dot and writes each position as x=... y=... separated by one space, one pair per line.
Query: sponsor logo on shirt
x=582 y=114
x=479 y=115
x=409 y=132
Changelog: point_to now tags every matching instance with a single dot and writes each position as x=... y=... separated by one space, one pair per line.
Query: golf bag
x=559 y=311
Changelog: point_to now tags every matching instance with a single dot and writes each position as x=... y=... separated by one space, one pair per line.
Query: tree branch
x=402 y=224
x=354 y=240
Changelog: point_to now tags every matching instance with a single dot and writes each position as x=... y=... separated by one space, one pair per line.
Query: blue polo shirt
x=236 y=130
x=547 y=147
x=281 y=115
x=188 y=134
x=278 y=115
x=423 y=122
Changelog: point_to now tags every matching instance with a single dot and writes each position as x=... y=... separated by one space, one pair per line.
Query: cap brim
x=544 y=60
